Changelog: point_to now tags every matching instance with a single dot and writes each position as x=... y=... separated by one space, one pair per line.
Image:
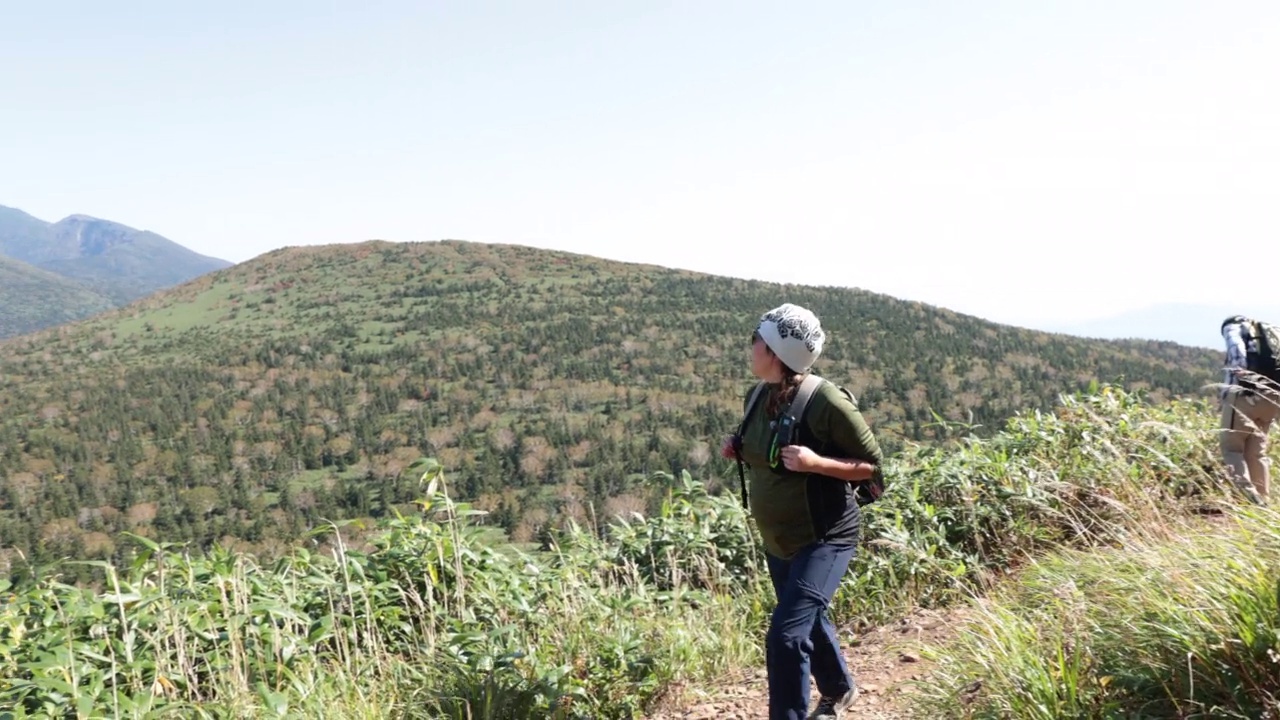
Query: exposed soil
x=884 y=661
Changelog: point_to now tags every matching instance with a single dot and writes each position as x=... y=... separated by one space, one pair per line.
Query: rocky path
x=884 y=661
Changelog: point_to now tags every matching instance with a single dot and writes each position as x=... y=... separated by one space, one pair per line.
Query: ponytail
x=786 y=392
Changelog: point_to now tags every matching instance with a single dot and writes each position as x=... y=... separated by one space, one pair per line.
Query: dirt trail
x=883 y=662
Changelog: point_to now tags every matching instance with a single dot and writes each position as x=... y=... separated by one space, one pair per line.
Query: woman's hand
x=726 y=449
x=798 y=458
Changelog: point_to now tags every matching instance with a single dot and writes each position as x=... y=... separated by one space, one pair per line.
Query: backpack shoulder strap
x=804 y=394
x=865 y=492
x=756 y=392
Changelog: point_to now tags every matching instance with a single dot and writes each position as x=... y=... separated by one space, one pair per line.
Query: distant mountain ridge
x=1183 y=323
x=85 y=260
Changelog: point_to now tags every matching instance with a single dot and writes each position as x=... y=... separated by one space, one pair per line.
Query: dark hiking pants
x=802 y=638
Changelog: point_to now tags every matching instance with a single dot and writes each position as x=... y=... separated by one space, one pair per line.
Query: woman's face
x=764 y=364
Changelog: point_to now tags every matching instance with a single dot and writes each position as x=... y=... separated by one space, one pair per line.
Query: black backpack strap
x=737 y=443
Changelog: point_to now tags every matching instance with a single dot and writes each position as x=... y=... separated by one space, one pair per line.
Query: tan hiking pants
x=1246 y=418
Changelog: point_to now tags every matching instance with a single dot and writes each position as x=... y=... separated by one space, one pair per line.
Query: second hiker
x=1250 y=402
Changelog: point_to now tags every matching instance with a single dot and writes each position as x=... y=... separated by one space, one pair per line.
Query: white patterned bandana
x=793 y=334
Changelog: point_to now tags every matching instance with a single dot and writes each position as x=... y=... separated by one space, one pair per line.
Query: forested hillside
x=253 y=403
x=31 y=298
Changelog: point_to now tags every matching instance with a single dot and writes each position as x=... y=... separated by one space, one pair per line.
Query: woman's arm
x=799 y=458
x=839 y=424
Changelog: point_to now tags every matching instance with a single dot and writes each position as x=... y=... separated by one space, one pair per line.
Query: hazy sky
x=1030 y=162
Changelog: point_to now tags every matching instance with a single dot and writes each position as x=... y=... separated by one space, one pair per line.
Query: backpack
x=865 y=492
x=1262 y=352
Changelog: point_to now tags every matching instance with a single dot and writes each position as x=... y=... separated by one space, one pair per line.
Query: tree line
x=253 y=404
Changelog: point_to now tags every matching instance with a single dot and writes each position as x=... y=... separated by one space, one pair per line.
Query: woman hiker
x=802 y=498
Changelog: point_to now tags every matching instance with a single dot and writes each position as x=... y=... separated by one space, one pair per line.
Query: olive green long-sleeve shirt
x=793 y=509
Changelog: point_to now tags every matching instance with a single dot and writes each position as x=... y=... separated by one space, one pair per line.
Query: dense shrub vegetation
x=436 y=619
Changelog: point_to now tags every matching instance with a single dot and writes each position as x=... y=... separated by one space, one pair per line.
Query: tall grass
x=431 y=623
x=1100 y=468
x=435 y=621
x=1180 y=624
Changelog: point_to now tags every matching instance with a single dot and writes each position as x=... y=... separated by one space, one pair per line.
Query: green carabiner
x=783 y=436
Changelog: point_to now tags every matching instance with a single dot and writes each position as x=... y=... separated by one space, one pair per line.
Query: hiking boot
x=832 y=708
